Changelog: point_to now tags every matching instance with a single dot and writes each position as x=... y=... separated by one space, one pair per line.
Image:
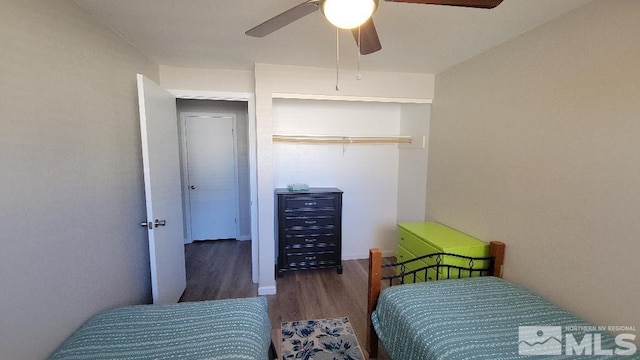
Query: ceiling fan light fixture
x=348 y=14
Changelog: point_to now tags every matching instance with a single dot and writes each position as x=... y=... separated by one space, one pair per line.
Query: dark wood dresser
x=309 y=229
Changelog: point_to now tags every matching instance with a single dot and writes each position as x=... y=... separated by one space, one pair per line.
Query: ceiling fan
x=356 y=16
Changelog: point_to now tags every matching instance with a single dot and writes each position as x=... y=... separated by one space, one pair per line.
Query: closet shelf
x=336 y=139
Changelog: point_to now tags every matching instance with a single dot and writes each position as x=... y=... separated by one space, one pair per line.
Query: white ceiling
x=415 y=38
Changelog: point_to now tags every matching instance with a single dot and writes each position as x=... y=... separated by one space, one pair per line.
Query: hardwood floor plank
x=221 y=269
x=218 y=269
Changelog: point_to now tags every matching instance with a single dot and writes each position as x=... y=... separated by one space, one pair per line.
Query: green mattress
x=220 y=329
x=475 y=318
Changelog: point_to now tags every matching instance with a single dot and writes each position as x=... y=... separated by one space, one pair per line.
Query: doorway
x=215 y=169
x=240 y=110
x=210 y=173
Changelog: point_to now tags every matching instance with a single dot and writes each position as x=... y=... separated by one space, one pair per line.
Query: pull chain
x=337 y=58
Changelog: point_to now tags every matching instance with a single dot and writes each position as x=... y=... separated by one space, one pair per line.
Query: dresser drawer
x=328 y=230
x=312 y=259
x=309 y=220
x=465 y=263
x=310 y=239
x=415 y=245
x=431 y=275
x=403 y=254
x=308 y=248
x=453 y=273
x=310 y=203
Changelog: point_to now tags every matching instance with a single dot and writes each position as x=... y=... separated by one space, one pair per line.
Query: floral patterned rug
x=324 y=339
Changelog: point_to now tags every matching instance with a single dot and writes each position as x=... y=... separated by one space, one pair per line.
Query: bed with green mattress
x=478 y=318
x=218 y=329
x=475 y=315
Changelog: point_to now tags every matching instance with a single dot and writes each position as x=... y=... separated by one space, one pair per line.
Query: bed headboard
x=477 y=266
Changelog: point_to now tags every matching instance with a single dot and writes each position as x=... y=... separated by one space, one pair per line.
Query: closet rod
x=332 y=139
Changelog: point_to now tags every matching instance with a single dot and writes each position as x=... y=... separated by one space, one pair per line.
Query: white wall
x=71 y=187
x=412 y=166
x=535 y=143
x=367 y=173
x=238 y=81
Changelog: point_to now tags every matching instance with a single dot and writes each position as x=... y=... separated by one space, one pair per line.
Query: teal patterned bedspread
x=473 y=318
x=220 y=329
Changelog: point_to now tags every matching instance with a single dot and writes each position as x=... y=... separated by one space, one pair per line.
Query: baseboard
x=243 y=237
x=267 y=290
x=358 y=256
x=389 y=253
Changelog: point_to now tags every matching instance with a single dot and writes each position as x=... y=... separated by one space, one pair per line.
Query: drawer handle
x=313 y=203
x=310 y=240
x=309 y=257
x=310 y=222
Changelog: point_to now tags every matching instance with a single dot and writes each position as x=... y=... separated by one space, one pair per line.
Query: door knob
x=159 y=222
x=192 y=187
x=147 y=224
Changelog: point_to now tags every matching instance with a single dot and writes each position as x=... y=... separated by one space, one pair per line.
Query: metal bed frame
x=492 y=266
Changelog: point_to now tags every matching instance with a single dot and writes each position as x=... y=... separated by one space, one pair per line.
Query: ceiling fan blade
x=484 y=4
x=284 y=19
x=370 y=42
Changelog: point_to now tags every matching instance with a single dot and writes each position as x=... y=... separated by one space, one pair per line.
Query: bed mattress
x=474 y=318
x=220 y=329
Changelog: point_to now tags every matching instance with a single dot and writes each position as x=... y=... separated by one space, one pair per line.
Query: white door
x=161 y=162
x=211 y=176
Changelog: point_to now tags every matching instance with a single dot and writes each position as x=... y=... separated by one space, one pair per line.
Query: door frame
x=250 y=99
x=185 y=168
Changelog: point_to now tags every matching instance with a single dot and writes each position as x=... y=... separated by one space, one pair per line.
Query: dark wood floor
x=218 y=269
x=221 y=269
